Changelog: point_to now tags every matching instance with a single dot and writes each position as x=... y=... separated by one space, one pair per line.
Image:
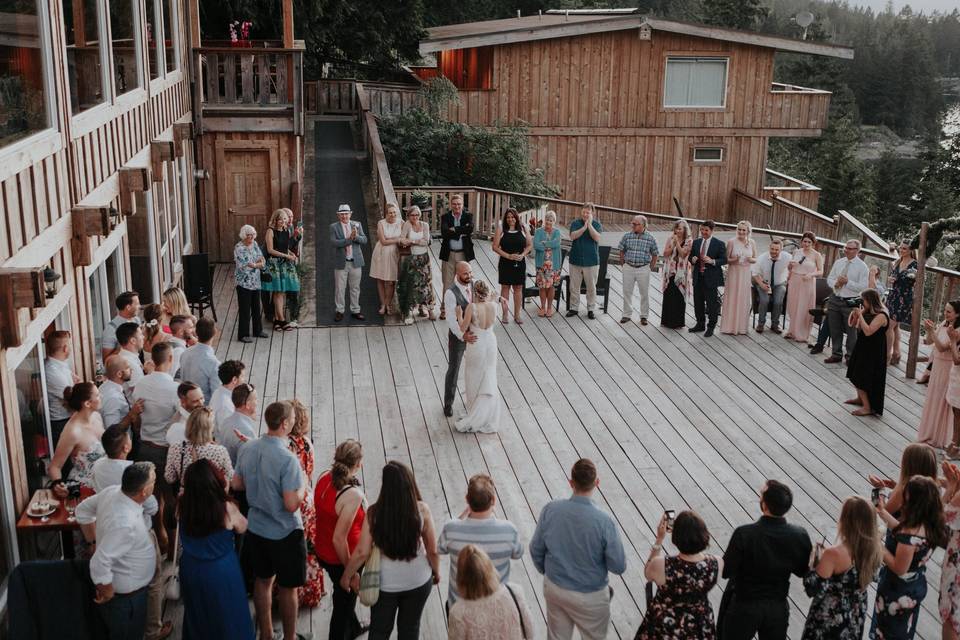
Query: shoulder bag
x=370 y=579
x=523 y=627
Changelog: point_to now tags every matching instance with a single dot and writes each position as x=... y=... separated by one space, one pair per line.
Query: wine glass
x=71 y=509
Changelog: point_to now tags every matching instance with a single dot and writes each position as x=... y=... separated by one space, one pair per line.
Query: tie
x=346 y=234
x=703 y=253
x=773 y=270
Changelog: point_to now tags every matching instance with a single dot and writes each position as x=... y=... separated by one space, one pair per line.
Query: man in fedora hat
x=347 y=236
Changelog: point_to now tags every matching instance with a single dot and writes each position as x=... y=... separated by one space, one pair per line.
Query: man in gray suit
x=347 y=236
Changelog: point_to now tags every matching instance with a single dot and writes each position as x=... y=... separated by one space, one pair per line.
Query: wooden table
x=57 y=521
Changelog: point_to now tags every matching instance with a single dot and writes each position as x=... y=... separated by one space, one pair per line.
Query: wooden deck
x=672 y=420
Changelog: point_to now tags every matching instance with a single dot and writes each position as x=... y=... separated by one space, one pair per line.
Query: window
x=695 y=82
x=23 y=74
x=467 y=68
x=123 y=33
x=174 y=215
x=153 y=33
x=84 y=57
x=708 y=154
x=32 y=405
x=7 y=527
x=169 y=36
x=106 y=283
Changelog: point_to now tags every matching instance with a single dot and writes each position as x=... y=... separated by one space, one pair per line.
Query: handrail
x=810 y=212
x=378 y=160
x=754 y=199
x=249 y=50
x=865 y=230
x=793 y=88
x=797 y=181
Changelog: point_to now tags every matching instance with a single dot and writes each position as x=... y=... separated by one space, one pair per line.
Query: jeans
x=344 y=624
x=838 y=312
x=765 y=618
x=776 y=309
x=125 y=615
x=455 y=349
x=248 y=307
x=406 y=606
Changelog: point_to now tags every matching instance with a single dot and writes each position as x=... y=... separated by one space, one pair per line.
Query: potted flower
x=240 y=33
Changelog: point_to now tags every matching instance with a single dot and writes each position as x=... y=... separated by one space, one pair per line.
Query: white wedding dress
x=480 y=373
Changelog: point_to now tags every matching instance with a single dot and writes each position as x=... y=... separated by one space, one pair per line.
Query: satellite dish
x=804 y=19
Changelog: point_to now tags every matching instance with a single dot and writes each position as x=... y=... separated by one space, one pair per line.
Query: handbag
x=523 y=627
x=172 y=591
x=370 y=579
x=265 y=276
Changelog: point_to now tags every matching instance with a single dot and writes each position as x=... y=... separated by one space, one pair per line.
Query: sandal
x=541 y=313
x=895 y=359
x=518 y=321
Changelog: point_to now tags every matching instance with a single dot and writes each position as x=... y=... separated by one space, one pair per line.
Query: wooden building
x=634 y=111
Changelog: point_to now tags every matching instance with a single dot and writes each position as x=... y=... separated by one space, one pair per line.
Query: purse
x=370 y=579
x=172 y=591
x=265 y=276
x=523 y=627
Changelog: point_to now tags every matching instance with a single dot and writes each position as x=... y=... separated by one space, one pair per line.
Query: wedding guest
x=152 y=331
x=910 y=543
x=59 y=375
x=229 y=375
x=867 y=369
x=575 y=546
x=741 y=253
x=680 y=608
x=489 y=608
x=80 y=441
x=805 y=267
x=936 y=420
x=271 y=476
x=385 y=260
x=638 y=255
x=548 y=258
x=757 y=563
x=400 y=525
x=839 y=575
x=125 y=559
x=416 y=273
x=341 y=508
x=180 y=337
x=950 y=571
x=190 y=398
x=953 y=391
x=158 y=391
x=676 y=276
x=198 y=445
x=241 y=421
x=128 y=310
x=115 y=408
x=512 y=244
x=199 y=363
x=281 y=265
x=108 y=470
x=900 y=283
x=300 y=444
x=347 y=238
x=248 y=263
x=584 y=259
x=917 y=459
x=708 y=255
x=848 y=277
x=130 y=341
x=770 y=273
x=173 y=302
x=456 y=241
x=214 y=597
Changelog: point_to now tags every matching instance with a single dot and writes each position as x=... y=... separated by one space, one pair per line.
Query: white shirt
x=179 y=346
x=221 y=402
x=450 y=307
x=114 y=406
x=108 y=472
x=160 y=404
x=857 y=274
x=136 y=370
x=59 y=376
x=177 y=431
x=763 y=264
x=125 y=556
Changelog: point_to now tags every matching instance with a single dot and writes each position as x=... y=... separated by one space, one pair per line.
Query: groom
x=460 y=294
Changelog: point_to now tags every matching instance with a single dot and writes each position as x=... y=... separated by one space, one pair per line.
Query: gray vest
x=461 y=300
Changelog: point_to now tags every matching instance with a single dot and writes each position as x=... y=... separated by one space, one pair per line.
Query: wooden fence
x=338 y=97
x=793 y=189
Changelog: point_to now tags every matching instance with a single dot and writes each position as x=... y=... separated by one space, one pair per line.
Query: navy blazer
x=712 y=274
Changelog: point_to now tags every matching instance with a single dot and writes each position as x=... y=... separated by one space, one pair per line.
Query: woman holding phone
x=867 y=369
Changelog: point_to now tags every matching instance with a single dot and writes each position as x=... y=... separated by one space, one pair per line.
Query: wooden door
x=249 y=188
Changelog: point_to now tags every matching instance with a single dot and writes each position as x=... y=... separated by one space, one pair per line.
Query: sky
x=927 y=6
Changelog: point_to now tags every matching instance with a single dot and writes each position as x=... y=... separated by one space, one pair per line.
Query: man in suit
x=456 y=245
x=708 y=255
x=347 y=236
x=458 y=294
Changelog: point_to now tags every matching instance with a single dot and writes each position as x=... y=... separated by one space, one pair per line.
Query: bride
x=480 y=375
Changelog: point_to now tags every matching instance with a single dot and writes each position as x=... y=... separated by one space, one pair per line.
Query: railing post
x=914 y=343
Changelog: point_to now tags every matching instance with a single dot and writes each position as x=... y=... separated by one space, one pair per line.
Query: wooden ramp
x=673 y=421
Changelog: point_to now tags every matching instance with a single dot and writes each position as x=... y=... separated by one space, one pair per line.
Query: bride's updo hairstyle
x=481 y=290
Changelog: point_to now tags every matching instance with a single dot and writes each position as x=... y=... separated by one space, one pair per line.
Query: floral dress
x=900 y=294
x=950 y=572
x=312 y=590
x=838 y=609
x=549 y=258
x=898 y=598
x=415 y=287
x=82 y=470
x=680 y=610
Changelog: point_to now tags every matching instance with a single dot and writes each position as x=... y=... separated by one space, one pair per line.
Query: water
x=951 y=121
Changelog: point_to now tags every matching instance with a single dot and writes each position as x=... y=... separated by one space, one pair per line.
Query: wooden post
x=287 y=24
x=914 y=343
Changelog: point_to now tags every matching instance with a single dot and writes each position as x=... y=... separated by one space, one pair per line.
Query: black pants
x=248 y=306
x=344 y=624
x=125 y=615
x=406 y=606
x=706 y=304
x=455 y=349
x=766 y=618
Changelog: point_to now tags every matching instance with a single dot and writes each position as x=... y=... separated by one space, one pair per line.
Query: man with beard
x=114 y=408
x=460 y=294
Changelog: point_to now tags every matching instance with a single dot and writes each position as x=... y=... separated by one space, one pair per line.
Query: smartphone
x=875 y=496
x=670 y=514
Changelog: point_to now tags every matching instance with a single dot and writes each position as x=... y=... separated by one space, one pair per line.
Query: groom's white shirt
x=450 y=307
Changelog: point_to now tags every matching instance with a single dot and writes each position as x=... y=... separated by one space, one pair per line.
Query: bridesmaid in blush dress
x=741 y=253
x=936 y=421
x=805 y=268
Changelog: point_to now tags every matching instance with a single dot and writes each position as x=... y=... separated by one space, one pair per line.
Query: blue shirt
x=269 y=468
x=199 y=365
x=108 y=340
x=576 y=545
x=584 y=251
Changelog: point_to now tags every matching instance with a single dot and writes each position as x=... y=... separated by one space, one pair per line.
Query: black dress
x=512 y=272
x=867 y=369
x=673 y=313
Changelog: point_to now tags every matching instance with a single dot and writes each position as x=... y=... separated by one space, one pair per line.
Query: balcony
x=796 y=108
x=255 y=88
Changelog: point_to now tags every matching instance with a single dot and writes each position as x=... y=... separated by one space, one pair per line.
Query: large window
x=695 y=82
x=84 y=56
x=106 y=283
x=169 y=35
x=23 y=103
x=32 y=404
x=153 y=35
x=123 y=33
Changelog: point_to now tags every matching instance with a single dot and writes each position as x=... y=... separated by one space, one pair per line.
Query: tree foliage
x=735 y=14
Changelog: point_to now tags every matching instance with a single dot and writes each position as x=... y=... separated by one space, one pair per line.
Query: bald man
x=459 y=294
x=114 y=407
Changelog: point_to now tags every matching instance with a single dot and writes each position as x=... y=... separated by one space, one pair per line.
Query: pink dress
x=953 y=388
x=801 y=296
x=735 y=312
x=936 y=421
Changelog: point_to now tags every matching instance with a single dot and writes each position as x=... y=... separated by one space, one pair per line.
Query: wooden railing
x=780 y=213
x=335 y=96
x=793 y=189
x=851 y=227
x=792 y=107
x=370 y=135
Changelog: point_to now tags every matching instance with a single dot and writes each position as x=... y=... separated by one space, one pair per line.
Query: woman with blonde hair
x=311 y=591
x=741 y=253
x=840 y=574
x=676 y=276
x=512 y=244
x=199 y=444
x=480 y=363
x=173 y=302
x=415 y=289
x=486 y=609
x=281 y=265
x=385 y=260
x=549 y=262
x=917 y=459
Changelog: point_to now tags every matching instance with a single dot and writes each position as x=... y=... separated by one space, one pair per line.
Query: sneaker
x=590 y=315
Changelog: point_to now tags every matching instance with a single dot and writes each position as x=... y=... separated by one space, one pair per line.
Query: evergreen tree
x=735 y=14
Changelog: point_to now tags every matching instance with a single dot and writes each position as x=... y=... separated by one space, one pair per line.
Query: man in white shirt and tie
x=59 y=375
x=115 y=408
x=126 y=557
x=347 y=238
x=770 y=274
x=847 y=278
x=459 y=294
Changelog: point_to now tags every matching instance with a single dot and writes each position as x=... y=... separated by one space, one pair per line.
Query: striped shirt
x=638 y=248
x=499 y=538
